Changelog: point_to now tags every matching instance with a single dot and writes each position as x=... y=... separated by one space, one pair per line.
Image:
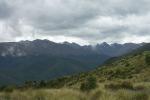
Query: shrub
x=2 y=88
x=9 y=88
x=89 y=84
x=127 y=64
x=147 y=59
x=96 y=95
x=42 y=84
x=29 y=84
x=126 y=85
x=139 y=87
x=141 y=96
x=122 y=85
x=126 y=95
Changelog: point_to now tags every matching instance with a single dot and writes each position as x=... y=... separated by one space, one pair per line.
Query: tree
x=89 y=84
x=42 y=84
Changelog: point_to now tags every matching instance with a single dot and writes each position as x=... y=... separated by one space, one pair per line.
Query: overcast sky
x=81 y=21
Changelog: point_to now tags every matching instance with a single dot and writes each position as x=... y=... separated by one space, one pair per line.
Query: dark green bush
x=89 y=84
x=9 y=89
x=96 y=95
x=133 y=96
x=122 y=85
x=2 y=88
x=147 y=59
x=141 y=96
x=139 y=87
x=42 y=84
x=29 y=84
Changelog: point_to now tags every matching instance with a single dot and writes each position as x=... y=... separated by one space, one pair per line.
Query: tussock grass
x=43 y=94
x=100 y=93
x=132 y=95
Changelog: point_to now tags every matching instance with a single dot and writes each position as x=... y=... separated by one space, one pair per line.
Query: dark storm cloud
x=89 y=20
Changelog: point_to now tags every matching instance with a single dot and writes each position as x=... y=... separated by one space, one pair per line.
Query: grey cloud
x=5 y=10
x=90 y=20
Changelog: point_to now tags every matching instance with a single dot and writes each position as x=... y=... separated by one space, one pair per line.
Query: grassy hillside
x=134 y=67
x=100 y=93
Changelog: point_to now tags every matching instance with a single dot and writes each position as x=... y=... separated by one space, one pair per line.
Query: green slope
x=131 y=67
x=134 y=67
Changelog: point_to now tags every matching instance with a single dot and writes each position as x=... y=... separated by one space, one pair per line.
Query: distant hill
x=116 y=49
x=46 y=47
x=43 y=59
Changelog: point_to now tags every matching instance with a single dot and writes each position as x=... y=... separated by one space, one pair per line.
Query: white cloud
x=81 y=21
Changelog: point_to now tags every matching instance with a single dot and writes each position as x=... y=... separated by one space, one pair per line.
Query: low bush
x=141 y=96
x=139 y=87
x=96 y=95
x=147 y=59
x=122 y=85
x=89 y=84
x=126 y=95
x=9 y=89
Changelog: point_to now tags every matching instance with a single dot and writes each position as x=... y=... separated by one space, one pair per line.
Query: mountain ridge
x=43 y=59
x=23 y=48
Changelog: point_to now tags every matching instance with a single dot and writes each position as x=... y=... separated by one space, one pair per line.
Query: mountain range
x=44 y=59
